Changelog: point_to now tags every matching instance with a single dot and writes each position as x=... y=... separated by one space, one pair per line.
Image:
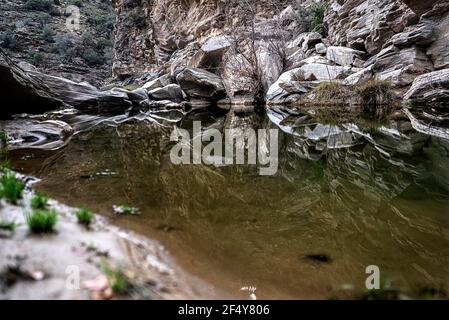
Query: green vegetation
x=42 y=221
x=48 y=33
x=118 y=281
x=8 y=225
x=37 y=58
x=39 y=5
x=317 y=17
x=136 y=18
x=39 y=202
x=78 y=3
x=3 y=137
x=84 y=217
x=10 y=187
x=7 y=39
x=330 y=91
x=92 y=57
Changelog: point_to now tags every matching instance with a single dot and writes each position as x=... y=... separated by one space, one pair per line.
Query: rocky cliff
x=36 y=32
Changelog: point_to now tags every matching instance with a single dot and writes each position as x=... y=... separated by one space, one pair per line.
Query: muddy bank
x=75 y=262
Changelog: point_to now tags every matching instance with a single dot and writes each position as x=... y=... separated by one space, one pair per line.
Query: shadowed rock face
x=21 y=93
x=421 y=6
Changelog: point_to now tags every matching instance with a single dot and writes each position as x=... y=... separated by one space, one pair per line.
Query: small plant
x=8 y=225
x=37 y=58
x=48 y=33
x=118 y=281
x=92 y=57
x=84 y=217
x=7 y=39
x=42 y=221
x=330 y=91
x=3 y=137
x=10 y=187
x=39 y=202
x=125 y=210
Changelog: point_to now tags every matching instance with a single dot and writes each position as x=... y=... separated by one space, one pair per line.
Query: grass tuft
x=330 y=91
x=3 y=137
x=8 y=225
x=376 y=97
x=10 y=187
x=118 y=281
x=39 y=202
x=84 y=217
x=42 y=221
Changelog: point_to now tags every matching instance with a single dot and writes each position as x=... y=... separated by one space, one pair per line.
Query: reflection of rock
x=438 y=152
x=46 y=135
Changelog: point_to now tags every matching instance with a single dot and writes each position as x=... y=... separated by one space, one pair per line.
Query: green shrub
x=39 y=202
x=87 y=39
x=330 y=91
x=39 y=5
x=7 y=39
x=84 y=217
x=43 y=18
x=118 y=281
x=136 y=18
x=48 y=33
x=10 y=188
x=103 y=43
x=65 y=44
x=317 y=17
x=92 y=57
x=42 y=221
x=3 y=137
x=37 y=58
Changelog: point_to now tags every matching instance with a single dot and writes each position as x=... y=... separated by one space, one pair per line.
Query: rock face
x=85 y=97
x=431 y=87
x=39 y=35
x=201 y=84
x=21 y=92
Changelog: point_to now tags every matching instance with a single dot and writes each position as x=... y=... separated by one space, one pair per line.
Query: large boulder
x=85 y=97
x=200 y=84
x=400 y=66
x=318 y=71
x=172 y=92
x=432 y=87
x=345 y=56
x=21 y=92
x=211 y=53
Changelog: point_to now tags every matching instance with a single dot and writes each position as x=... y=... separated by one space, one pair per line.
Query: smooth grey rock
x=344 y=56
x=172 y=92
x=432 y=87
x=320 y=48
x=359 y=77
x=421 y=34
x=211 y=53
x=201 y=84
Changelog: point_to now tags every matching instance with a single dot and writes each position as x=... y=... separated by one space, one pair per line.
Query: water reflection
x=358 y=195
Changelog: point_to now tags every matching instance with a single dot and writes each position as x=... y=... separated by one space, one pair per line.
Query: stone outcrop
x=431 y=87
x=21 y=92
x=200 y=84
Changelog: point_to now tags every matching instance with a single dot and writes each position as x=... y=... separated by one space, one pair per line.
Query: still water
x=345 y=196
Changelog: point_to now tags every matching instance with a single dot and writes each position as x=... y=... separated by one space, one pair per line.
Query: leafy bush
x=37 y=58
x=103 y=43
x=48 y=33
x=3 y=137
x=7 y=39
x=43 y=18
x=10 y=188
x=317 y=17
x=39 y=5
x=87 y=39
x=136 y=18
x=118 y=281
x=42 y=221
x=65 y=44
x=8 y=225
x=376 y=97
x=92 y=57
